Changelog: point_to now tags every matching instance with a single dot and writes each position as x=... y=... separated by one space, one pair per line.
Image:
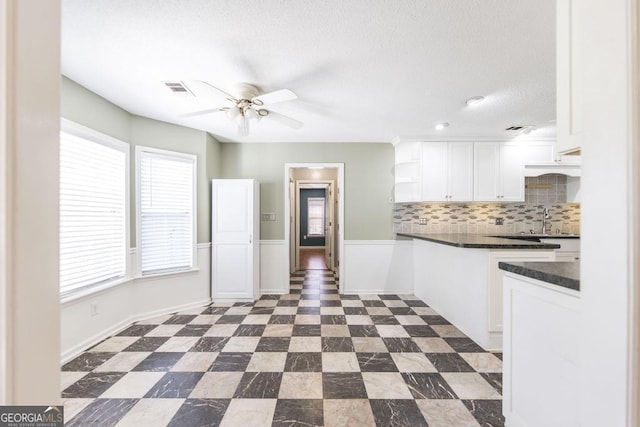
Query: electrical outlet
x=499 y=221
x=422 y=221
x=267 y=216
x=93 y=309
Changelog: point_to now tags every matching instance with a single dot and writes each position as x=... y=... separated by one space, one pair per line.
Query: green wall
x=368 y=181
x=88 y=109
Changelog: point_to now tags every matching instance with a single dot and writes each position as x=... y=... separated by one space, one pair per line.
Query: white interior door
x=234 y=231
x=328 y=228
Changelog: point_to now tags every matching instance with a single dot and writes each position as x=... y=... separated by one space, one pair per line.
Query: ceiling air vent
x=526 y=129
x=178 y=88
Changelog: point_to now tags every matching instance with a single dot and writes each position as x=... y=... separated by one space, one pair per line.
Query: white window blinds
x=93 y=208
x=315 y=216
x=166 y=210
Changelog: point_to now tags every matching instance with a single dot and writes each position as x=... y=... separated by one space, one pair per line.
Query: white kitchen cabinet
x=235 y=235
x=447 y=171
x=541 y=353
x=498 y=172
x=407 y=171
x=569 y=68
x=569 y=250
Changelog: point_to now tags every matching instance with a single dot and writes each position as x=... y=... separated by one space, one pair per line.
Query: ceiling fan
x=247 y=105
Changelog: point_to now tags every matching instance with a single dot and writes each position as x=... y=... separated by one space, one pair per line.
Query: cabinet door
x=569 y=69
x=511 y=173
x=434 y=171
x=460 y=173
x=486 y=165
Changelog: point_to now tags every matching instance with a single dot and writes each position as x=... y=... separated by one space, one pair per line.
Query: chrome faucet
x=545 y=217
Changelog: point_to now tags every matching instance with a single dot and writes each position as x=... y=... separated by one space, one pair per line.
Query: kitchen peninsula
x=458 y=276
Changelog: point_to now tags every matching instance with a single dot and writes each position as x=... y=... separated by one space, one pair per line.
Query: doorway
x=314 y=206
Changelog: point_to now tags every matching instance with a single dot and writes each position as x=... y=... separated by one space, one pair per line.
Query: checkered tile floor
x=311 y=357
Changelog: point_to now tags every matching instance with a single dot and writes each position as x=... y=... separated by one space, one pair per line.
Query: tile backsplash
x=548 y=191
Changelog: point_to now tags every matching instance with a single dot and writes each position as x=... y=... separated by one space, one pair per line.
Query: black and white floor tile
x=312 y=357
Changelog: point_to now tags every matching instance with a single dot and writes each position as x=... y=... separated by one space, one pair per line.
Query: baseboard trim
x=114 y=329
x=279 y=291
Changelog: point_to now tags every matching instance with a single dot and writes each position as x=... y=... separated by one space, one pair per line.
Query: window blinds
x=315 y=216
x=166 y=211
x=93 y=208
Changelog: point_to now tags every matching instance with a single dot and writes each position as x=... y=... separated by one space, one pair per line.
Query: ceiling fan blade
x=273 y=97
x=226 y=94
x=285 y=120
x=202 y=112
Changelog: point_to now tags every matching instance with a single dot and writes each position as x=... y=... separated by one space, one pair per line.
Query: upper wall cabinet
x=568 y=76
x=499 y=169
x=447 y=171
x=498 y=173
x=408 y=172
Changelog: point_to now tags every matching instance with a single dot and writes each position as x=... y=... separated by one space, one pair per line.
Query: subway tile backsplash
x=480 y=217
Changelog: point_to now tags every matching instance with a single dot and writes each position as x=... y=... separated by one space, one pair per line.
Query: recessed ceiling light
x=475 y=100
x=441 y=126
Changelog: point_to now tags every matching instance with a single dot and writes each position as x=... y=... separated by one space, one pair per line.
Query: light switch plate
x=268 y=216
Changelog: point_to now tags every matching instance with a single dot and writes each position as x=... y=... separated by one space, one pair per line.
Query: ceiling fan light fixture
x=233 y=112
x=250 y=113
x=243 y=126
x=441 y=126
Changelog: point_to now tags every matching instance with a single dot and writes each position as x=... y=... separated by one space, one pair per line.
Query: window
x=94 y=204
x=315 y=216
x=166 y=210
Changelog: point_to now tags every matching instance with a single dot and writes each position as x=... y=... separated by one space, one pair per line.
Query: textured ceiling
x=363 y=70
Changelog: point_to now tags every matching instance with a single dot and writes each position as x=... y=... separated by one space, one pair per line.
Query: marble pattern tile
x=483 y=362
x=157 y=362
x=433 y=345
x=175 y=385
x=92 y=385
x=87 y=361
x=385 y=385
x=123 y=362
x=217 y=385
x=428 y=386
x=298 y=412
x=397 y=413
x=334 y=330
x=194 y=362
x=412 y=362
x=241 y=344
x=278 y=331
x=343 y=385
x=449 y=362
x=337 y=344
x=178 y=344
x=106 y=412
x=259 y=385
x=69 y=377
x=303 y=362
x=151 y=412
x=305 y=344
x=231 y=362
x=164 y=331
x=210 y=344
x=137 y=330
x=73 y=406
x=464 y=345
x=200 y=413
x=249 y=412
x=469 y=385
x=147 y=344
x=446 y=413
x=277 y=344
x=401 y=345
x=348 y=412
x=267 y=362
x=487 y=412
x=113 y=344
x=133 y=385
x=340 y=362
x=368 y=345
x=376 y=362
x=363 y=331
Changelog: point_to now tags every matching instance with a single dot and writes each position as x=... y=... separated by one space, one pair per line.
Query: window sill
x=169 y=273
x=92 y=290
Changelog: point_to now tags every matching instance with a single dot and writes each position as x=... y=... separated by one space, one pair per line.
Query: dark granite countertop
x=479 y=241
x=564 y=274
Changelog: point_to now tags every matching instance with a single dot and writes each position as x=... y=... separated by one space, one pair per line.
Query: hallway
x=312 y=259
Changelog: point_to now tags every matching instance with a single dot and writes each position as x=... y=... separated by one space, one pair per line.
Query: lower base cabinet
x=540 y=359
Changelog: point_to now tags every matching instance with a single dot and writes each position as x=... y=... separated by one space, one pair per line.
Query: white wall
x=607 y=193
x=137 y=299
x=29 y=135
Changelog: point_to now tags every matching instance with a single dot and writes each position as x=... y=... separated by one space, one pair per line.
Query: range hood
x=567 y=165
